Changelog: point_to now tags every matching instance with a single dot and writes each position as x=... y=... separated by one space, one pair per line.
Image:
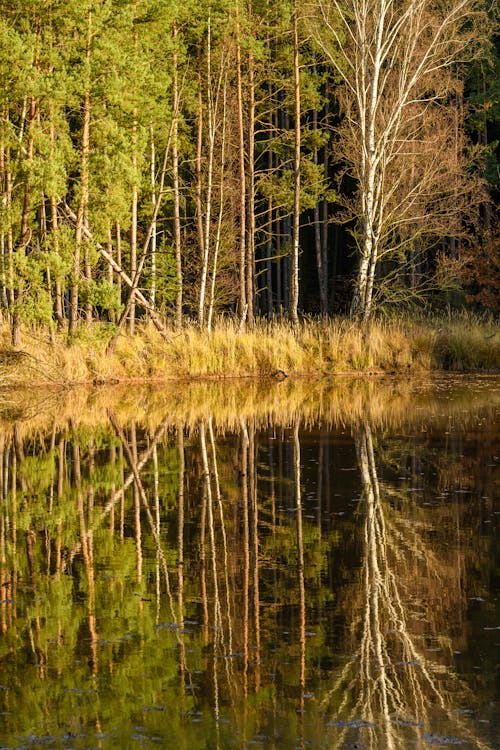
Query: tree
x=294 y=291
x=399 y=63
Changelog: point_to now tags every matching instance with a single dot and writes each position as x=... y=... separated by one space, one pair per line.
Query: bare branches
x=398 y=63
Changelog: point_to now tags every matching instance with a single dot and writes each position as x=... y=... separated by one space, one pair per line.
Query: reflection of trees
x=195 y=568
x=389 y=682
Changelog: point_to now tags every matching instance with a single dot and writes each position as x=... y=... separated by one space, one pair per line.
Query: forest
x=245 y=158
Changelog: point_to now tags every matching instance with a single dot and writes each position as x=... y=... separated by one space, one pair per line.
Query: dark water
x=267 y=568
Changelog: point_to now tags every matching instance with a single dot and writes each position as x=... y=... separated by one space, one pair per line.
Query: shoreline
x=111 y=383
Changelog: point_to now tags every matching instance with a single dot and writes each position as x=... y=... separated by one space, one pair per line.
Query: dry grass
x=314 y=348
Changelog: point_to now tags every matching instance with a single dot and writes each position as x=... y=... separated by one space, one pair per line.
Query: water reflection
x=303 y=570
x=390 y=682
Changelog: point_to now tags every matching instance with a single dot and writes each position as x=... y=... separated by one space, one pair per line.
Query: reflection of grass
x=314 y=347
x=386 y=402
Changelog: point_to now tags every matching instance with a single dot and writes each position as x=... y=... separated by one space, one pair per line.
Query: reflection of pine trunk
x=180 y=550
x=246 y=551
x=252 y=479
x=203 y=564
x=157 y=517
x=228 y=614
x=8 y=483
x=88 y=558
x=242 y=179
x=137 y=506
x=300 y=564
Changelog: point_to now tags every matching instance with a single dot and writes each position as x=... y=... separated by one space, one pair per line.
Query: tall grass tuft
x=314 y=348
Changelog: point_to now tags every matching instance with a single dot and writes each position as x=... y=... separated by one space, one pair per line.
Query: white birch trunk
x=394 y=58
x=208 y=198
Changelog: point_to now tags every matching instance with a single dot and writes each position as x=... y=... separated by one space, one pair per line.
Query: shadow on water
x=287 y=565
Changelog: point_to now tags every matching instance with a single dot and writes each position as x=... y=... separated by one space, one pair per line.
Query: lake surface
x=273 y=565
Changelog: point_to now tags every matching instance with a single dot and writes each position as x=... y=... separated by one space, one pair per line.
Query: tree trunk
x=243 y=309
x=109 y=248
x=175 y=187
x=7 y=236
x=250 y=243
x=133 y=225
x=318 y=227
x=199 y=169
x=221 y=212
x=294 y=286
x=84 y=184
x=58 y=294
x=153 y=230
x=25 y=228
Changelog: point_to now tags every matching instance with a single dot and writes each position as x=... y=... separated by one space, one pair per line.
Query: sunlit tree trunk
x=220 y=217
x=243 y=309
x=58 y=292
x=118 y=236
x=294 y=281
x=133 y=227
x=175 y=185
x=319 y=227
x=81 y=213
x=207 y=214
x=25 y=215
x=7 y=247
x=154 y=227
x=199 y=165
x=250 y=241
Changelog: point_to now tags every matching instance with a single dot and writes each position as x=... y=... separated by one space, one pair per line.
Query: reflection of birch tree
x=389 y=683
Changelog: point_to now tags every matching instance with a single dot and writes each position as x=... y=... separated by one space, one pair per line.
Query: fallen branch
x=123 y=275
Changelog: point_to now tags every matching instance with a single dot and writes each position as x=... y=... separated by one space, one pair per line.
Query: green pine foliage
x=107 y=109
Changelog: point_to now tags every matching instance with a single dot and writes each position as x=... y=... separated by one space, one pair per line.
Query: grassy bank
x=315 y=348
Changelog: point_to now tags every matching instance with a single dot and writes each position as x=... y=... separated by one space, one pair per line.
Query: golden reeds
x=314 y=348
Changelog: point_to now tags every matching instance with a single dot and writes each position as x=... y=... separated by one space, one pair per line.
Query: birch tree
x=399 y=63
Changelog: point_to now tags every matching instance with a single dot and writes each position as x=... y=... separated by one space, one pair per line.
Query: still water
x=275 y=565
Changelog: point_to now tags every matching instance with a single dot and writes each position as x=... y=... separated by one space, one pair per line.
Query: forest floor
x=270 y=349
